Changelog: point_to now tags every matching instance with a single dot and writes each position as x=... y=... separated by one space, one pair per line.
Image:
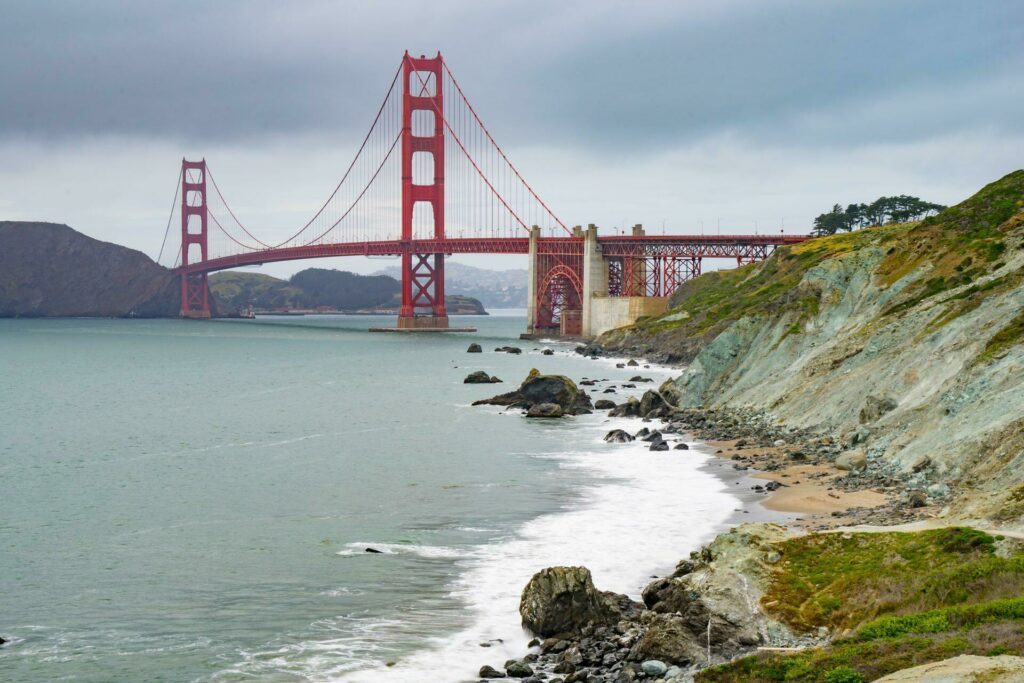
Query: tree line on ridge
x=883 y=210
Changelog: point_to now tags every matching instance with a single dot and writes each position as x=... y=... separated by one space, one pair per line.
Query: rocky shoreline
x=705 y=612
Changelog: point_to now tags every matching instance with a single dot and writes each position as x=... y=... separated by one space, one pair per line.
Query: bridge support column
x=595 y=278
x=531 y=282
x=422 y=274
x=195 y=291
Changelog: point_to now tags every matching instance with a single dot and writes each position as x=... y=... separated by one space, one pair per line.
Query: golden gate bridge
x=429 y=181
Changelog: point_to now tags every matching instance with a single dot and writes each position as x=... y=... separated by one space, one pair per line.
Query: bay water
x=192 y=501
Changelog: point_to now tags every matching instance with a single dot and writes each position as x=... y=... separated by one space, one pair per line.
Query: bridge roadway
x=680 y=246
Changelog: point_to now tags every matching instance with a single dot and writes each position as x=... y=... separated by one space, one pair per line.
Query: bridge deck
x=684 y=246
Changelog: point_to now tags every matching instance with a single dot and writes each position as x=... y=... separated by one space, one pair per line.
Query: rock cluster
x=480 y=377
x=598 y=637
x=538 y=390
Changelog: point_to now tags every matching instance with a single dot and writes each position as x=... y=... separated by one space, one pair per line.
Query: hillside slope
x=904 y=340
x=47 y=269
x=322 y=288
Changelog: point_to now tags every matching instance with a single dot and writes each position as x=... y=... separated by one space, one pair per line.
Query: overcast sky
x=690 y=114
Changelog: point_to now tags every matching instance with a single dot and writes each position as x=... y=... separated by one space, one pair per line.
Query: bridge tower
x=422 y=273
x=195 y=291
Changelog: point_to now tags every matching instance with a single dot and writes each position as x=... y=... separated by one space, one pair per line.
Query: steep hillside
x=48 y=269
x=321 y=288
x=904 y=340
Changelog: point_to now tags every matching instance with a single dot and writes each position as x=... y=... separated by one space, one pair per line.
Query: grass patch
x=1006 y=338
x=903 y=599
x=842 y=580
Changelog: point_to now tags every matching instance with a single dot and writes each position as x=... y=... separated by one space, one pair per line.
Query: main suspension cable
x=455 y=82
x=174 y=203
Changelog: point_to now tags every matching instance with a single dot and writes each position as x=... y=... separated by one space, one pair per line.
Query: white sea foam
x=650 y=510
x=646 y=511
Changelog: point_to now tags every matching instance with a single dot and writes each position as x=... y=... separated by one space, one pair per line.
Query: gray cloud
x=609 y=74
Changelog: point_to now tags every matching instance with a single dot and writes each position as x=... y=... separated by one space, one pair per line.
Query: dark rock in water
x=479 y=377
x=487 y=671
x=509 y=349
x=609 y=390
x=682 y=446
x=547 y=352
x=650 y=402
x=630 y=408
x=518 y=669
x=474 y=348
x=559 y=599
x=591 y=350
x=618 y=436
x=620 y=365
x=587 y=382
x=538 y=388
x=659 y=446
x=2 y=641
x=632 y=363
x=603 y=404
x=653 y=436
x=544 y=410
x=375 y=551
x=638 y=378
x=644 y=431
x=629 y=386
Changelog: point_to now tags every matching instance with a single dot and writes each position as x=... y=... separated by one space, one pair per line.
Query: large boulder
x=604 y=404
x=669 y=639
x=722 y=585
x=651 y=404
x=538 y=388
x=852 y=461
x=963 y=669
x=560 y=599
x=618 y=436
x=628 y=408
x=474 y=348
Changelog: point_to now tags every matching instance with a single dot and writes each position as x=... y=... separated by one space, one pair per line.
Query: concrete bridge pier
x=602 y=311
x=568 y=287
x=595 y=279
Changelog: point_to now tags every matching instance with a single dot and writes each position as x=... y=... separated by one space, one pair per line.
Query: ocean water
x=191 y=501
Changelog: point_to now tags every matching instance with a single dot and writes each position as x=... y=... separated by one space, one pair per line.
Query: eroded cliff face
x=904 y=340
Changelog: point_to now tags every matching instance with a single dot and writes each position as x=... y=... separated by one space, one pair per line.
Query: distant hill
x=50 y=270
x=320 y=288
x=494 y=288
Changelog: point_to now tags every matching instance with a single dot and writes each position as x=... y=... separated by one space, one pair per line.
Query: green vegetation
x=704 y=306
x=898 y=599
x=882 y=211
x=956 y=250
x=310 y=288
x=315 y=288
x=1010 y=335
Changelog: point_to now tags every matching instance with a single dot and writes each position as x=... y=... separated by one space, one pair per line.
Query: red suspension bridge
x=429 y=181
